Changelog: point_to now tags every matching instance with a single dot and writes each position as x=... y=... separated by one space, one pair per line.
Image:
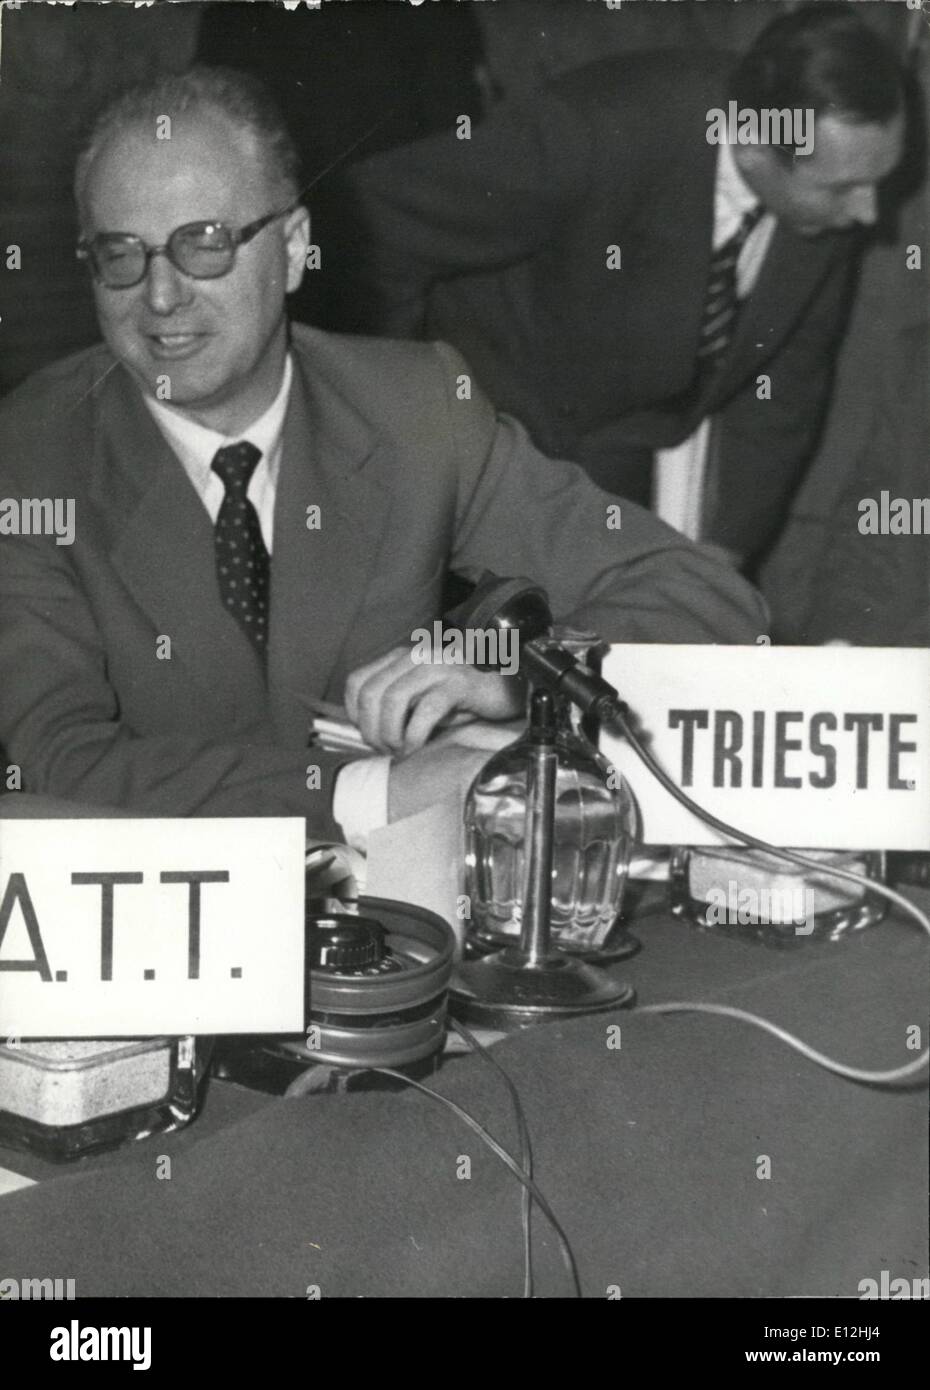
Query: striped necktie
x=242 y=562
x=721 y=303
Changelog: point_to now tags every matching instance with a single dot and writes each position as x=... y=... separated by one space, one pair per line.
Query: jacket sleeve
x=445 y=206
x=607 y=564
x=60 y=719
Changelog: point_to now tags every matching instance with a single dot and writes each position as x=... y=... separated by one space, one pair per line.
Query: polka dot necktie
x=242 y=562
x=721 y=303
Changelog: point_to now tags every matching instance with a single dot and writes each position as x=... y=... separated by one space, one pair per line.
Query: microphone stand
x=533 y=982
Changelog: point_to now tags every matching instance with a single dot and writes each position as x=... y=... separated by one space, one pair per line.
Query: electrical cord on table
x=526 y=1148
x=620 y=716
x=506 y=1158
x=306 y=1084
x=523 y=1171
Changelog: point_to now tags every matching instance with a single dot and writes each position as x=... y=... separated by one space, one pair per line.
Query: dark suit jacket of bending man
x=408 y=478
x=499 y=245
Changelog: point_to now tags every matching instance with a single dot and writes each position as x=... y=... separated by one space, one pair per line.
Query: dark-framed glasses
x=202 y=250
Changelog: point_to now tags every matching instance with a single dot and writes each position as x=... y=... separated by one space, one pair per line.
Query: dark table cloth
x=649 y=1155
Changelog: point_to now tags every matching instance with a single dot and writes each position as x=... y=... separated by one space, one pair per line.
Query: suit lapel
x=697 y=194
x=161 y=544
x=319 y=574
x=160 y=540
x=792 y=261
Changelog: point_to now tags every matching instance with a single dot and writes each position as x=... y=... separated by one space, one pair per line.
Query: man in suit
x=872 y=585
x=572 y=246
x=264 y=517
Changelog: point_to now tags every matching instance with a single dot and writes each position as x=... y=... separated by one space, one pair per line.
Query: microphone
x=500 y=604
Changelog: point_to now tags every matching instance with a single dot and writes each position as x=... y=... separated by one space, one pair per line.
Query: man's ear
x=753 y=160
x=761 y=167
x=297 y=238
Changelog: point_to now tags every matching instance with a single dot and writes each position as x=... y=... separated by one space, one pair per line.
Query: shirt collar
x=196 y=445
x=734 y=197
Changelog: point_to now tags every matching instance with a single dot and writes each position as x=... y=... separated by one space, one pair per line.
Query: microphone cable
x=565 y=1249
x=526 y=1148
x=620 y=715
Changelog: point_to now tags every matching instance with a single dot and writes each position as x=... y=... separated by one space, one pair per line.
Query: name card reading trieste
x=131 y=928
x=814 y=747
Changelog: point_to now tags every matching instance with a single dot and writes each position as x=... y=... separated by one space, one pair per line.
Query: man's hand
x=398 y=704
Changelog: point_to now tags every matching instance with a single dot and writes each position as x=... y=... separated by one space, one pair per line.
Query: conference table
x=688 y=1155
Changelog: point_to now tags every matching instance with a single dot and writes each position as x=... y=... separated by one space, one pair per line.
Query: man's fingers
x=402 y=695
x=431 y=708
x=357 y=681
x=371 y=695
x=384 y=699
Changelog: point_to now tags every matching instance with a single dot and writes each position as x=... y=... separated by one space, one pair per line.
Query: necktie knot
x=724 y=259
x=749 y=220
x=235 y=465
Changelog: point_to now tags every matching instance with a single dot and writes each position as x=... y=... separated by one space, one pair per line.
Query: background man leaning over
x=615 y=278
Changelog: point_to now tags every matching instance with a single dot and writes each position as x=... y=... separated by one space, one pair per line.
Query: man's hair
x=824 y=58
x=241 y=98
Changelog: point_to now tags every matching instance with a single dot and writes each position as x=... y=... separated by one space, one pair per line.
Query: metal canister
x=377 y=980
x=377 y=985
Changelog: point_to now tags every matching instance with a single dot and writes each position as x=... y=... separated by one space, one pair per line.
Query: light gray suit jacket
x=410 y=481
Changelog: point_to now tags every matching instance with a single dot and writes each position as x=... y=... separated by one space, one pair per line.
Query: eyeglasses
x=202 y=250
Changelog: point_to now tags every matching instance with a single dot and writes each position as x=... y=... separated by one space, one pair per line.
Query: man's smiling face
x=220 y=343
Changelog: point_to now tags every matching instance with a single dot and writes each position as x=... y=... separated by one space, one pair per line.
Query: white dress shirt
x=196 y=447
x=733 y=198
x=360 y=794
x=678 y=490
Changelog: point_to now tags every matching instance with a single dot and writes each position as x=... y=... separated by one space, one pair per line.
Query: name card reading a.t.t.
x=134 y=928
x=812 y=747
